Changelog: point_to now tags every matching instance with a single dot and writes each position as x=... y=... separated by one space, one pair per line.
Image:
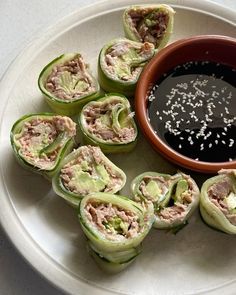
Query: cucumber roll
x=67 y=84
x=120 y=64
x=149 y=23
x=114 y=223
x=108 y=123
x=40 y=141
x=86 y=170
x=218 y=201
x=174 y=197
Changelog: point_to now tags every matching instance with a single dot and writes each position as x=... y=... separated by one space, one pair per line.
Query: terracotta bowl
x=213 y=48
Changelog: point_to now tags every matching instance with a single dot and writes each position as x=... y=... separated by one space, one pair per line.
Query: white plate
x=46 y=231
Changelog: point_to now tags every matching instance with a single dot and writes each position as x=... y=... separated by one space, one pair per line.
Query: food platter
x=46 y=231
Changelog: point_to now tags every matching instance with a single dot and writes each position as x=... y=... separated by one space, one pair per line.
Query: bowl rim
x=141 y=110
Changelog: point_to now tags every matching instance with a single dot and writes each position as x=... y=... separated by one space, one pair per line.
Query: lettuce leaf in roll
x=218 y=201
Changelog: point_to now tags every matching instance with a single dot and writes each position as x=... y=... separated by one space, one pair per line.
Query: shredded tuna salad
x=148 y=24
x=90 y=167
x=181 y=207
x=71 y=80
x=112 y=221
x=124 y=60
x=162 y=184
x=99 y=122
x=217 y=194
x=39 y=133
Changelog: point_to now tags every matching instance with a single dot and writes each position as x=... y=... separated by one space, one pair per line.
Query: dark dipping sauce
x=193 y=110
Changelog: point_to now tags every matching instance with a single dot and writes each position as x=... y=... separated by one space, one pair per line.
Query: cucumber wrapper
x=77 y=87
x=108 y=123
x=220 y=217
x=113 y=262
x=174 y=197
x=107 y=240
x=87 y=175
x=62 y=144
x=109 y=266
x=120 y=64
x=150 y=23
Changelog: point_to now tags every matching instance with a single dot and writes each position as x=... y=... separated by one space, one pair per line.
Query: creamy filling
x=124 y=61
x=113 y=222
x=89 y=172
x=70 y=80
x=40 y=139
x=148 y=24
x=223 y=196
x=109 y=122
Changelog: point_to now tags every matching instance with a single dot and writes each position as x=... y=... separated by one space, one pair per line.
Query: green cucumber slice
x=108 y=123
x=120 y=64
x=108 y=239
x=37 y=142
x=149 y=23
x=86 y=170
x=218 y=217
x=174 y=197
x=67 y=84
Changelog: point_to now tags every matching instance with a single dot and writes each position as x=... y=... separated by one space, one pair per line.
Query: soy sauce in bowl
x=193 y=110
x=185 y=103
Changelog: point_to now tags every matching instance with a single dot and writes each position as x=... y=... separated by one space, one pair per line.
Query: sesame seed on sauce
x=192 y=110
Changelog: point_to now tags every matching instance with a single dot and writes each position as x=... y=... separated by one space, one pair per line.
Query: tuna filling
x=70 y=81
x=124 y=60
x=110 y=122
x=223 y=196
x=180 y=201
x=112 y=221
x=148 y=24
x=89 y=172
x=153 y=188
x=41 y=139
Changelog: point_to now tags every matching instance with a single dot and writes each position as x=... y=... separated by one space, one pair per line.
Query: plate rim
x=48 y=268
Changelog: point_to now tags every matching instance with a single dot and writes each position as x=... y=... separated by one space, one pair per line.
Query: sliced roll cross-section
x=87 y=170
x=115 y=227
x=120 y=64
x=149 y=23
x=174 y=197
x=218 y=201
x=40 y=141
x=108 y=122
x=67 y=84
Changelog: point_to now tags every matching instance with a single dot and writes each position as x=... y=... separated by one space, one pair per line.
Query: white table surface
x=20 y=22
